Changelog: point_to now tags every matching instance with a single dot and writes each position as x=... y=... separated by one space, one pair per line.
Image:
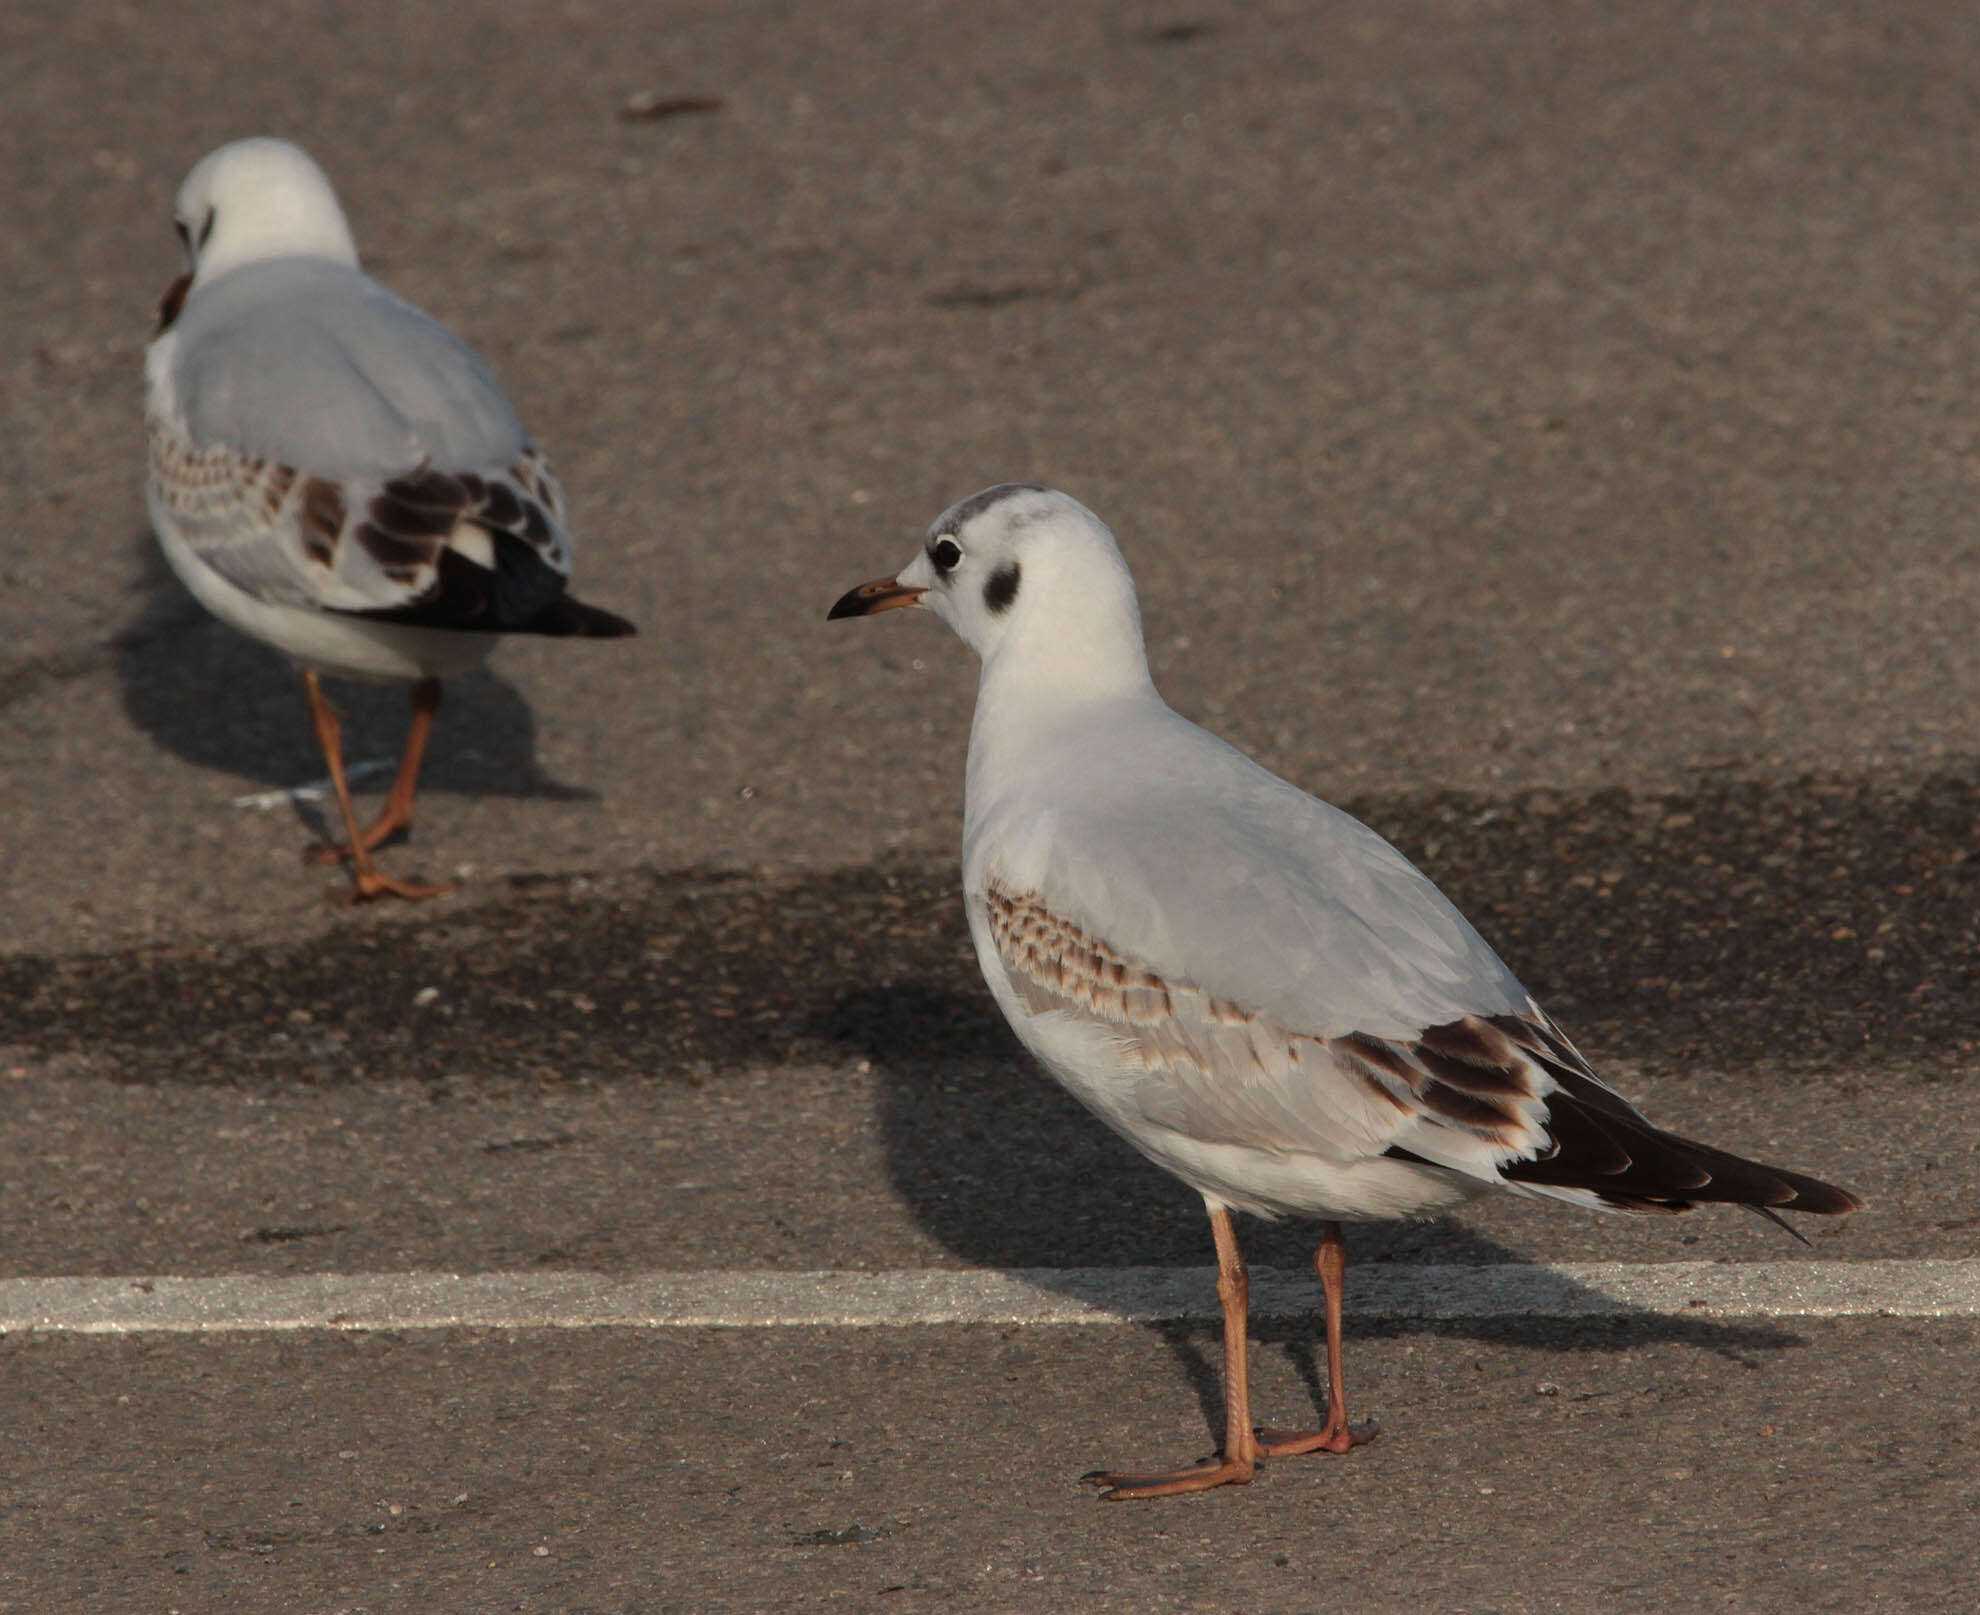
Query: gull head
x=256 y=199
x=1026 y=574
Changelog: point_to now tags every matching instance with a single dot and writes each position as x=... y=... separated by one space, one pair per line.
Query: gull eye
x=206 y=229
x=946 y=553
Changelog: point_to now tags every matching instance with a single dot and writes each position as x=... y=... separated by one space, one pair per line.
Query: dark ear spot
x=1002 y=589
x=170 y=304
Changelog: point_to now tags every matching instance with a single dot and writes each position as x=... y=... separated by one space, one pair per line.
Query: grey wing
x=1469 y=1095
x=1396 y=1032
x=1214 y=870
x=319 y=442
x=314 y=365
x=1502 y=1099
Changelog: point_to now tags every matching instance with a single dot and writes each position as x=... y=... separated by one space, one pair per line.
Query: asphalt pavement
x=1547 y=431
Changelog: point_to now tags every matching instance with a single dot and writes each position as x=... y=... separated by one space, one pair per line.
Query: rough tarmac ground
x=1792 y=1469
x=1546 y=430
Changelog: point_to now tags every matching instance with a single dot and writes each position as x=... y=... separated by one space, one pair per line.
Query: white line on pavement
x=760 y=1299
x=315 y=790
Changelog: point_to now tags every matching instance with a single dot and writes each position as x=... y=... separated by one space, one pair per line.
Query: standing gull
x=335 y=473
x=1254 y=989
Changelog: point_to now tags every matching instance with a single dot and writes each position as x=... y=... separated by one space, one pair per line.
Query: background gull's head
x=257 y=199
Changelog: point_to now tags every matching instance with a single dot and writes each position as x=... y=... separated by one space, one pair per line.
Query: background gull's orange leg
x=1330 y=1261
x=398 y=811
x=367 y=882
x=1234 y=1466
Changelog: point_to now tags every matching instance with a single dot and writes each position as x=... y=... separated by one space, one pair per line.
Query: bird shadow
x=225 y=702
x=1005 y=1169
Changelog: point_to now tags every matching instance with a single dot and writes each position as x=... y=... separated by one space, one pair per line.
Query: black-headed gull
x=1254 y=989
x=335 y=473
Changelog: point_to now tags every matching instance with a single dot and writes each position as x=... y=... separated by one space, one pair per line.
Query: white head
x=1033 y=582
x=256 y=199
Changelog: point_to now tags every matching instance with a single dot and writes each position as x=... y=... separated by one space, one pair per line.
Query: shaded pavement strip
x=1931 y=1288
x=1741 y=922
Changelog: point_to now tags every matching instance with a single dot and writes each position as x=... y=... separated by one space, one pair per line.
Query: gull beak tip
x=882 y=594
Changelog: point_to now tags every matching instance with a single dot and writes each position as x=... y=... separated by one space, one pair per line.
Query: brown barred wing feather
x=477 y=553
x=1219 y=1073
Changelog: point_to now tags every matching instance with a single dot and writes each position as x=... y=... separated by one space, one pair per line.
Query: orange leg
x=1234 y=1466
x=398 y=813
x=1330 y=1260
x=367 y=881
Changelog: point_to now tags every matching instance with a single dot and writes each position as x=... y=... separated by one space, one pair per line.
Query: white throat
x=1047 y=679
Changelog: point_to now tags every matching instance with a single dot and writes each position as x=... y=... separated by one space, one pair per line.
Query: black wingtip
x=1803 y=1193
x=521 y=594
x=1604 y=1145
x=565 y=618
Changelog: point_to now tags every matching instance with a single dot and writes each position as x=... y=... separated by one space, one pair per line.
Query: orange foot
x=318 y=853
x=369 y=884
x=1335 y=1438
x=1199 y=1477
x=339 y=852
